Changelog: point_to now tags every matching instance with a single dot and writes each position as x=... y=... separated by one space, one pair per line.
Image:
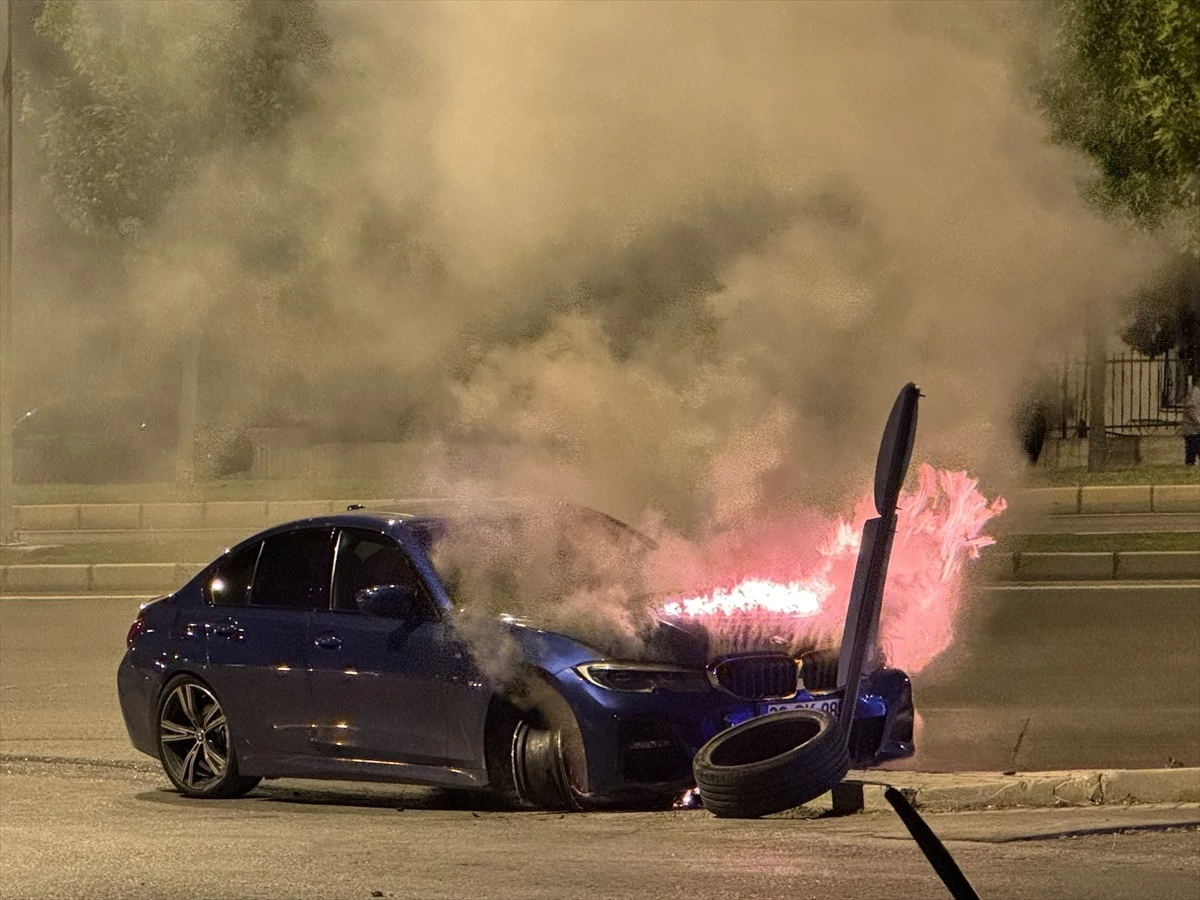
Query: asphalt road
x=111 y=834
x=1084 y=677
x=1105 y=678
x=1091 y=676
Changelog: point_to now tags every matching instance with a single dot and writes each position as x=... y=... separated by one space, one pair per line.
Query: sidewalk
x=954 y=792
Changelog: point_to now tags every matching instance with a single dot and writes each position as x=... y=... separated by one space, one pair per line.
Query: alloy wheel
x=193 y=733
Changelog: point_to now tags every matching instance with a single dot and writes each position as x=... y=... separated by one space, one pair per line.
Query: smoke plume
x=672 y=261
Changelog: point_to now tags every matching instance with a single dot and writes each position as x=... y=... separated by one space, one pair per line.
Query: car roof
x=424 y=512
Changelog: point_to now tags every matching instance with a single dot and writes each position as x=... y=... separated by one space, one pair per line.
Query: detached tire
x=770 y=763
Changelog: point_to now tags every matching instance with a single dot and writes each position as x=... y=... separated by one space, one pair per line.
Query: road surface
x=1040 y=677
x=1104 y=678
x=111 y=834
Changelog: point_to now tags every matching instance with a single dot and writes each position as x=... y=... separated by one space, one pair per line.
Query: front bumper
x=642 y=745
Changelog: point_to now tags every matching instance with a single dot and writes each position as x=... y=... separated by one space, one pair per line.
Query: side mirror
x=388 y=601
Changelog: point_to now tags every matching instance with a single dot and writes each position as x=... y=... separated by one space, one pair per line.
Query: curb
x=1109 y=499
x=1120 y=565
x=961 y=792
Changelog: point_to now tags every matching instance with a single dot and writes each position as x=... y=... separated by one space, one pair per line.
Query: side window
x=293 y=570
x=367 y=559
x=230 y=583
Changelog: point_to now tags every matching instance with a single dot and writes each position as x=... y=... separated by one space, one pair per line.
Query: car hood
x=659 y=641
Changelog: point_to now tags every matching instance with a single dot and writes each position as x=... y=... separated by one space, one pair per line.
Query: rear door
x=376 y=680
x=258 y=644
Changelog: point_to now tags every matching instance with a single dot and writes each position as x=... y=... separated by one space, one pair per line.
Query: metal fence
x=1143 y=394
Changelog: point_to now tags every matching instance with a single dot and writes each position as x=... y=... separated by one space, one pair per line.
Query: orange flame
x=939 y=526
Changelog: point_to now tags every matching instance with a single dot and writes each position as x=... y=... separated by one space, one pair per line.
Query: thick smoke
x=672 y=261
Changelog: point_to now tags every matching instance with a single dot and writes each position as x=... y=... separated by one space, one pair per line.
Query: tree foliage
x=149 y=87
x=1126 y=90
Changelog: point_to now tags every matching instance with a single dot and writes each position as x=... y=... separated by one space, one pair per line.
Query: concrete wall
x=1150 y=450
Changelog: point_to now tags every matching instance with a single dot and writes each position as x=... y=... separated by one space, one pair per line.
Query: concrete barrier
x=1126 y=498
x=1176 y=498
x=997 y=565
x=1057 y=501
x=51 y=517
x=172 y=515
x=1065 y=566
x=110 y=516
x=1150 y=565
x=184 y=572
x=376 y=504
x=279 y=511
x=33 y=578
x=251 y=515
x=122 y=577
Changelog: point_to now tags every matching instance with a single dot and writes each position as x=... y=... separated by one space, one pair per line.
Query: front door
x=377 y=676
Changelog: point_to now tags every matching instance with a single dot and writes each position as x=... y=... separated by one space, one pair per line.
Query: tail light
x=139 y=625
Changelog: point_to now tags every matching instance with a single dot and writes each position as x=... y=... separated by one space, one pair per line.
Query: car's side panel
x=466 y=693
x=376 y=687
x=171 y=641
x=257 y=666
x=357 y=769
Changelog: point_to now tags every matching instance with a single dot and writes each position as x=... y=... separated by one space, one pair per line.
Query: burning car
x=335 y=647
x=329 y=648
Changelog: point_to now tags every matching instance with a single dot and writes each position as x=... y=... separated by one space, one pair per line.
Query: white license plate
x=830 y=706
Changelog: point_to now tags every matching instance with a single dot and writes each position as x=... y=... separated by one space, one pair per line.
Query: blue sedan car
x=331 y=648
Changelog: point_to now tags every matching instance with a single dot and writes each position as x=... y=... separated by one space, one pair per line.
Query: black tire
x=194 y=742
x=770 y=763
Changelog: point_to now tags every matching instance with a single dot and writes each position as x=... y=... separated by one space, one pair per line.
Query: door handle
x=227 y=630
x=328 y=641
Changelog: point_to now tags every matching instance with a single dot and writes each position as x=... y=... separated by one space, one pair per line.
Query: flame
x=939 y=526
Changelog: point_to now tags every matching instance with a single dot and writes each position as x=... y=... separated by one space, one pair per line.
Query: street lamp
x=7 y=510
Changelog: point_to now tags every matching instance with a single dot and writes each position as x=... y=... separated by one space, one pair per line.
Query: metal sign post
x=861 y=634
x=7 y=399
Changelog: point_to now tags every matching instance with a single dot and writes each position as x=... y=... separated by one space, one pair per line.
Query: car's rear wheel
x=194 y=742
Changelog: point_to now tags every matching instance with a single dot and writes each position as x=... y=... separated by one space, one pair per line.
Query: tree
x=146 y=91
x=152 y=87
x=1125 y=89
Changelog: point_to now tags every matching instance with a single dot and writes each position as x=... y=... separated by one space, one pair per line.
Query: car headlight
x=642 y=678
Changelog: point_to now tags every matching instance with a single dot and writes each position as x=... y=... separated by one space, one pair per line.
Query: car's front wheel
x=194 y=742
x=539 y=766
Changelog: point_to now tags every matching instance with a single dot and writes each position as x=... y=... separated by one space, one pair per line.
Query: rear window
x=294 y=569
x=229 y=584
